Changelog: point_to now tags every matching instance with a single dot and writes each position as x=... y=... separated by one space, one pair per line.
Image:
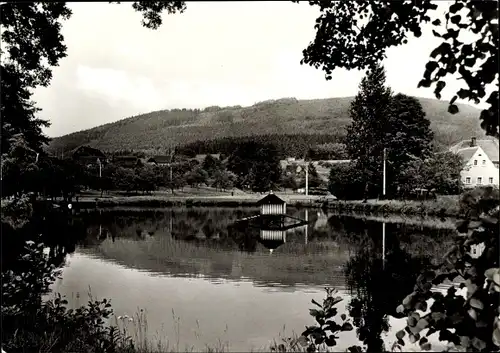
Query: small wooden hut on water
x=272 y=205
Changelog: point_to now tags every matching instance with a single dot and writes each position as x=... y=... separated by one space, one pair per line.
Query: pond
x=200 y=281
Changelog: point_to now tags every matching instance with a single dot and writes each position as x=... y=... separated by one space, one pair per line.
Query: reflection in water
x=378 y=284
x=168 y=259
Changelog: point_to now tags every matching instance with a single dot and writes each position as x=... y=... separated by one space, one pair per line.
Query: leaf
x=436 y=22
x=436 y=34
x=442 y=49
x=424 y=83
x=472 y=313
x=469 y=62
x=400 y=309
x=431 y=66
x=453 y=109
x=421 y=305
x=496 y=278
x=400 y=334
x=457 y=6
x=489 y=273
x=355 y=349
x=422 y=324
x=455 y=19
x=476 y=304
x=496 y=337
x=330 y=342
x=315 y=313
x=316 y=303
x=343 y=317
x=478 y=344
x=411 y=321
x=426 y=346
x=347 y=327
x=303 y=341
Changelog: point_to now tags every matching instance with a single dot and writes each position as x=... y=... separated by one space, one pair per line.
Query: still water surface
x=202 y=282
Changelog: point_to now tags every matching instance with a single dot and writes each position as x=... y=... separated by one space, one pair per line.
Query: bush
x=344 y=182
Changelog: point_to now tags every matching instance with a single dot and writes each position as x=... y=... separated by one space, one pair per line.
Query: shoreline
x=446 y=206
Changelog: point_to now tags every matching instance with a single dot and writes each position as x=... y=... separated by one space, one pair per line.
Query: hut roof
x=270 y=199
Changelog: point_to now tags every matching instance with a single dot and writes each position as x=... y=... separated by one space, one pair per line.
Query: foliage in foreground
x=471 y=322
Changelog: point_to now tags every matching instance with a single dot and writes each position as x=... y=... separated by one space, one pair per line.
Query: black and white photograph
x=250 y=176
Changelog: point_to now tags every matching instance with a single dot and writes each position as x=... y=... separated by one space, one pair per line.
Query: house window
x=490 y=180
x=484 y=161
x=475 y=161
x=479 y=181
x=467 y=180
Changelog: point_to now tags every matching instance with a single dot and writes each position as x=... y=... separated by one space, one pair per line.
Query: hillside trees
x=356 y=35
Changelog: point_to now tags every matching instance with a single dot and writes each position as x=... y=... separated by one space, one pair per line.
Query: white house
x=481 y=161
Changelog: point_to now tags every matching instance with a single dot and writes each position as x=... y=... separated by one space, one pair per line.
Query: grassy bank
x=444 y=206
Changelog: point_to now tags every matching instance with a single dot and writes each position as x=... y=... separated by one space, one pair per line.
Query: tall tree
x=356 y=35
x=409 y=137
x=367 y=134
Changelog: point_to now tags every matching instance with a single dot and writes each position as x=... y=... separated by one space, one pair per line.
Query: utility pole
x=307 y=179
x=384 y=171
x=383 y=244
x=172 y=151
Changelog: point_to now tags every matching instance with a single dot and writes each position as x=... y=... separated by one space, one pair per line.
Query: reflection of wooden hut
x=272 y=238
x=272 y=205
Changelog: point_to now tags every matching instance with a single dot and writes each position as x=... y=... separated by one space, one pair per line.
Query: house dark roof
x=467 y=153
x=270 y=199
x=160 y=159
x=489 y=146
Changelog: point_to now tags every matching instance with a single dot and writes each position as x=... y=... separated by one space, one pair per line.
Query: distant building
x=272 y=205
x=88 y=156
x=201 y=157
x=160 y=160
x=481 y=160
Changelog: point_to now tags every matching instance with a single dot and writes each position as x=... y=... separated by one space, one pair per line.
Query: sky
x=215 y=53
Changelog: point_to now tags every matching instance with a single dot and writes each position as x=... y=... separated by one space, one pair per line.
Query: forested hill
x=156 y=131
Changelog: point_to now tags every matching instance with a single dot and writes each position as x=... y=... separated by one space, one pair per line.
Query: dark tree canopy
x=367 y=134
x=256 y=166
x=382 y=121
x=356 y=35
